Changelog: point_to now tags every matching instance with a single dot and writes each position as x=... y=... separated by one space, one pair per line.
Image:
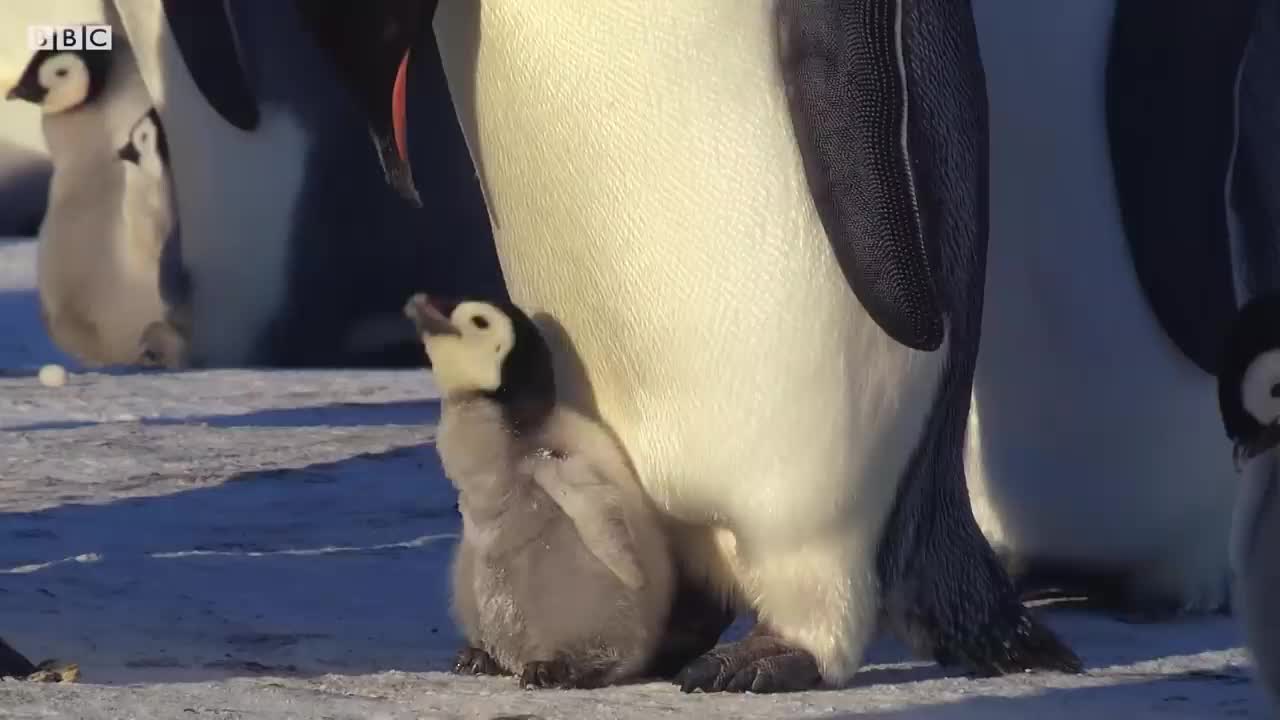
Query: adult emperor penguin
x=97 y=260
x=270 y=158
x=775 y=212
x=1249 y=398
x=1093 y=456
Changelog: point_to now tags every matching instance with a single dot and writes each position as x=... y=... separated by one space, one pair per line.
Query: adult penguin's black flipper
x=855 y=105
x=1171 y=119
x=206 y=36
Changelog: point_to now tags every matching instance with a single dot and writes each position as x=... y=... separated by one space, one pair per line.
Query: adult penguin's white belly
x=646 y=191
x=1093 y=442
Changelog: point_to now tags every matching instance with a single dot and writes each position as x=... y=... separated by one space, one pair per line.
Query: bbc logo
x=69 y=37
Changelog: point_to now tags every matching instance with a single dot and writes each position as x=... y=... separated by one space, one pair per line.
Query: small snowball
x=53 y=376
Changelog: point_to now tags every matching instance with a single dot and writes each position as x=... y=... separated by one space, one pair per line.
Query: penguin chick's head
x=491 y=349
x=146 y=147
x=62 y=80
x=1249 y=382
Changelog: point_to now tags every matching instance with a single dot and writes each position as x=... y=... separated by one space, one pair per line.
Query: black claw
x=759 y=664
x=546 y=674
x=744 y=680
x=708 y=673
x=474 y=661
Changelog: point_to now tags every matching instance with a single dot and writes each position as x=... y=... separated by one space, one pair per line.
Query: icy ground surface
x=273 y=545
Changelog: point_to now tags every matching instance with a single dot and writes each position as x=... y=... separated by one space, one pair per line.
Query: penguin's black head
x=62 y=80
x=369 y=42
x=1249 y=382
x=490 y=349
x=146 y=141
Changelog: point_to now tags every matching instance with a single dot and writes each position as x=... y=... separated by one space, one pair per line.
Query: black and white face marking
x=489 y=349
x=147 y=147
x=1249 y=384
x=59 y=81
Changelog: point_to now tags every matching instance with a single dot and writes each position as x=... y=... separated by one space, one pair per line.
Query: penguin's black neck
x=524 y=410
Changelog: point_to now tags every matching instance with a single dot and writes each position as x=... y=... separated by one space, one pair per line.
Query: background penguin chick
x=59 y=81
x=151 y=220
x=563 y=574
x=1249 y=398
x=100 y=241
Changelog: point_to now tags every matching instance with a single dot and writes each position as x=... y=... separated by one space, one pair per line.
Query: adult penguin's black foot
x=12 y=662
x=759 y=663
x=694 y=626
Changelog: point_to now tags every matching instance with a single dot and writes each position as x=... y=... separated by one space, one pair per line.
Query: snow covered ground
x=239 y=544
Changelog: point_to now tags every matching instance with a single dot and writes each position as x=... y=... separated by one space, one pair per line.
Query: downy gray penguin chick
x=146 y=154
x=563 y=575
x=96 y=267
x=1249 y=398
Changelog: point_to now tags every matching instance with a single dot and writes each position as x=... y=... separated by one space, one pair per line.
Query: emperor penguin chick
x=563 y=575
x=1249 y=398
x=146 y=154
x=97 y=258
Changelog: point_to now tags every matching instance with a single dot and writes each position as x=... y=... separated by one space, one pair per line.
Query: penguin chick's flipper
x=596 y=511
x=12 y=662
x=474 y=661
x=1171 y=104
x=206 y=37
x=759 y=663
x=856 y=85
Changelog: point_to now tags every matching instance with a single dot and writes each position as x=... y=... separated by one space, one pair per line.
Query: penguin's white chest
x=646 y=190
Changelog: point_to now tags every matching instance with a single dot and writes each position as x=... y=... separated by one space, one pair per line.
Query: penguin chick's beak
x=27 y=89
x=1247 y=449
x=369 y=44
x=430 y=321
x=129 y=153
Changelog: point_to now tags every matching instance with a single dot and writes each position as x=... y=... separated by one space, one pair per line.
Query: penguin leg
x=474 y=661
x=698 y=618
x=762 y=662
x=1194 y=581
x=13 y=663
x=162 y=345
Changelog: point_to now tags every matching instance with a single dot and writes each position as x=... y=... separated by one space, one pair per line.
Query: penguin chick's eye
x=60 y=72
x=480 y=321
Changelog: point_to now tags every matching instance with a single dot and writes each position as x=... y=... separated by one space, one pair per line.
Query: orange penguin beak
x=398 y=120
x=369 y=43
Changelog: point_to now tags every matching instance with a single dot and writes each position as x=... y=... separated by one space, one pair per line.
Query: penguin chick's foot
x=474 y=661
x=558 y=673
x=12 y=662
x=759 y=663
